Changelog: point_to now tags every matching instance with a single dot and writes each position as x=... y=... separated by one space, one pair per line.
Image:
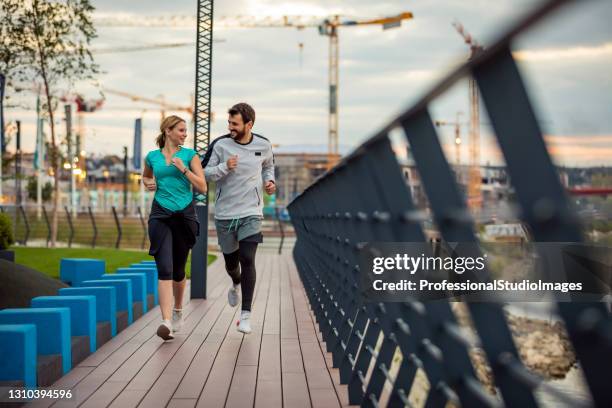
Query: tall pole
x=18 y=167
x=125 y=179
x=38 y=159
x=137 y=156
x=70 y=156
x=201 y=132
x=332 y=149
x=2 y=144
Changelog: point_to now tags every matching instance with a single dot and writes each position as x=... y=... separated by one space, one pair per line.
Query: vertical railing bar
x=118 y=224
x=144 y=229
x=48 y=225
x=71 y=236
x=95 y=228
x=27 y=226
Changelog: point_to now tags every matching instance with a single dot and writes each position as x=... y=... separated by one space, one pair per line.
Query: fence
x=88 y=227
x=364 y=337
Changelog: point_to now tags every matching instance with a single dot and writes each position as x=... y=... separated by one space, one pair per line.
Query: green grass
x=47 y=260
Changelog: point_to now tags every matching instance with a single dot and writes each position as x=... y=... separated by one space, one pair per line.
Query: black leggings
x=246 y=256
x=173 y=250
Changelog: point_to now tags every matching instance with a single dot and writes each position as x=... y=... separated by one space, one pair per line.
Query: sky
x=565 y=62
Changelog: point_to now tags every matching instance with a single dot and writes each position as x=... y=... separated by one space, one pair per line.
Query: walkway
x=210 y=364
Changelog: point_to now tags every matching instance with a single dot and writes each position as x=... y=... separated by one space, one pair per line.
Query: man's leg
x=232 y=262
x=227 y=237
x=247 y=264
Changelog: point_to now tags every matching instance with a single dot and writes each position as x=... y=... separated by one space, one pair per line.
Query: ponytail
x=160 y=140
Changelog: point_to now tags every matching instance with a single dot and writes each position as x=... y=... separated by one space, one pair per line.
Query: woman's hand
x=149 y=183
x=178 y=163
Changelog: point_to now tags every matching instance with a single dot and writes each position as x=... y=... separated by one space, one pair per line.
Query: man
x=238 y=162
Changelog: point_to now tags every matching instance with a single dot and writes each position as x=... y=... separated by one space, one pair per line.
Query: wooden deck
x=210 y=364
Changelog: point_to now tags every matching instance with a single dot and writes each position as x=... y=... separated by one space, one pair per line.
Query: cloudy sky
x=566 y=62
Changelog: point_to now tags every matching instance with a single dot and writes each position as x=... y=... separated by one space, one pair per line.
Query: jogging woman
x=170 y=171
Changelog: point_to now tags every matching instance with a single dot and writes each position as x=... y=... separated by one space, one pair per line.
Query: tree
x=46 y=190
x=47 y=42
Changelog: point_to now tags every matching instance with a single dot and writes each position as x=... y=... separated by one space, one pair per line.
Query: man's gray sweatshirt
x=240 y=190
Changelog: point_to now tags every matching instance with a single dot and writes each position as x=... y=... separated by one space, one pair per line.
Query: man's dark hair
x=245 y=110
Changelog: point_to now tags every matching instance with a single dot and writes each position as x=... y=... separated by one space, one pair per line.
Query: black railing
x=365 y=199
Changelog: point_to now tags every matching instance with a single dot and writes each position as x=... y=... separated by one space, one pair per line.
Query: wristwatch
x=185 y=171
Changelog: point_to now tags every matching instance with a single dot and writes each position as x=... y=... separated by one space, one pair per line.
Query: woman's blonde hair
x=168 y=123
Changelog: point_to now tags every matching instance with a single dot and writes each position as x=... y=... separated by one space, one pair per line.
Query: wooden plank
x=295 y=390
x=244 y=381
x=88 y=385
x=161 y=380
x=67 y=382
x=182 y=403
x=153 y=351
x=268 y=390
x=249 y=350
x=217 y=386
x=219 y=380
x=242 y=391
x=208 y=364
x=322 y=390
x=114 y=357
x=295 y=387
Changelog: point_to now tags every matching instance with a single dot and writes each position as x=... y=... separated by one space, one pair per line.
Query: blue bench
x=148 y=262
x=151 y=272
x=82 y=314
x=18 y=353
x=139 y=289
x=124 y=296
x=106 y=304
x=76 y=270
x=52 y=330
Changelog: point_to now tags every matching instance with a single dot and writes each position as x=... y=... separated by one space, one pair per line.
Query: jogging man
x=240 y=163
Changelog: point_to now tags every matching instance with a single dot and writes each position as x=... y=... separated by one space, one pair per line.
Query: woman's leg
x=180 y=252
x=248 y=276
x=163 y=260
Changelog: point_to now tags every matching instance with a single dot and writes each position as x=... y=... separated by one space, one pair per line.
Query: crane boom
x=326 y=26
x=159 y=102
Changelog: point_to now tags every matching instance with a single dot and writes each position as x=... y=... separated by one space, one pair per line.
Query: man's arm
x=214 y=169
x=267 y=172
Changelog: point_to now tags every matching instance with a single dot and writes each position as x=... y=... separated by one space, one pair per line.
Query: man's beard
x=238 y=134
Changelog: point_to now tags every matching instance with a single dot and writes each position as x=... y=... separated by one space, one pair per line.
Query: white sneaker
x=165 y=330
x=232 y=295
x=244 y=325
x=177 y=320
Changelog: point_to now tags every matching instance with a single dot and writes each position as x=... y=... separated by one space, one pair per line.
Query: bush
x=6 y=232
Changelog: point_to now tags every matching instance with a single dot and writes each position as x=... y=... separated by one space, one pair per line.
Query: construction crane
x=457 y=125
x=474 y=179
x=161 y=102
x=328 y=27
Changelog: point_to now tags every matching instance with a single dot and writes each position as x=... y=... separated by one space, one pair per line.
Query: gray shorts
x=230 y=232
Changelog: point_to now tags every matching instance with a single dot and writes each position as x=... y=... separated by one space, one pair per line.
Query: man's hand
x=232 y=162
x=270 y=187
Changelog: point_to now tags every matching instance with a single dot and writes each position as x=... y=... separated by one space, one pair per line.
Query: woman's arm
x=195 y=175
x=147 y=179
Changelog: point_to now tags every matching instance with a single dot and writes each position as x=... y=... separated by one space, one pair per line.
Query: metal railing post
x=144 y=228
x=118 y=224
x=48 y=225
x=95 y=228
x=71 y=236
x=27 y=226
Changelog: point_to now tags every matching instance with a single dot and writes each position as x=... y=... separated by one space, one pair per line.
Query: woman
x=170 y=171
